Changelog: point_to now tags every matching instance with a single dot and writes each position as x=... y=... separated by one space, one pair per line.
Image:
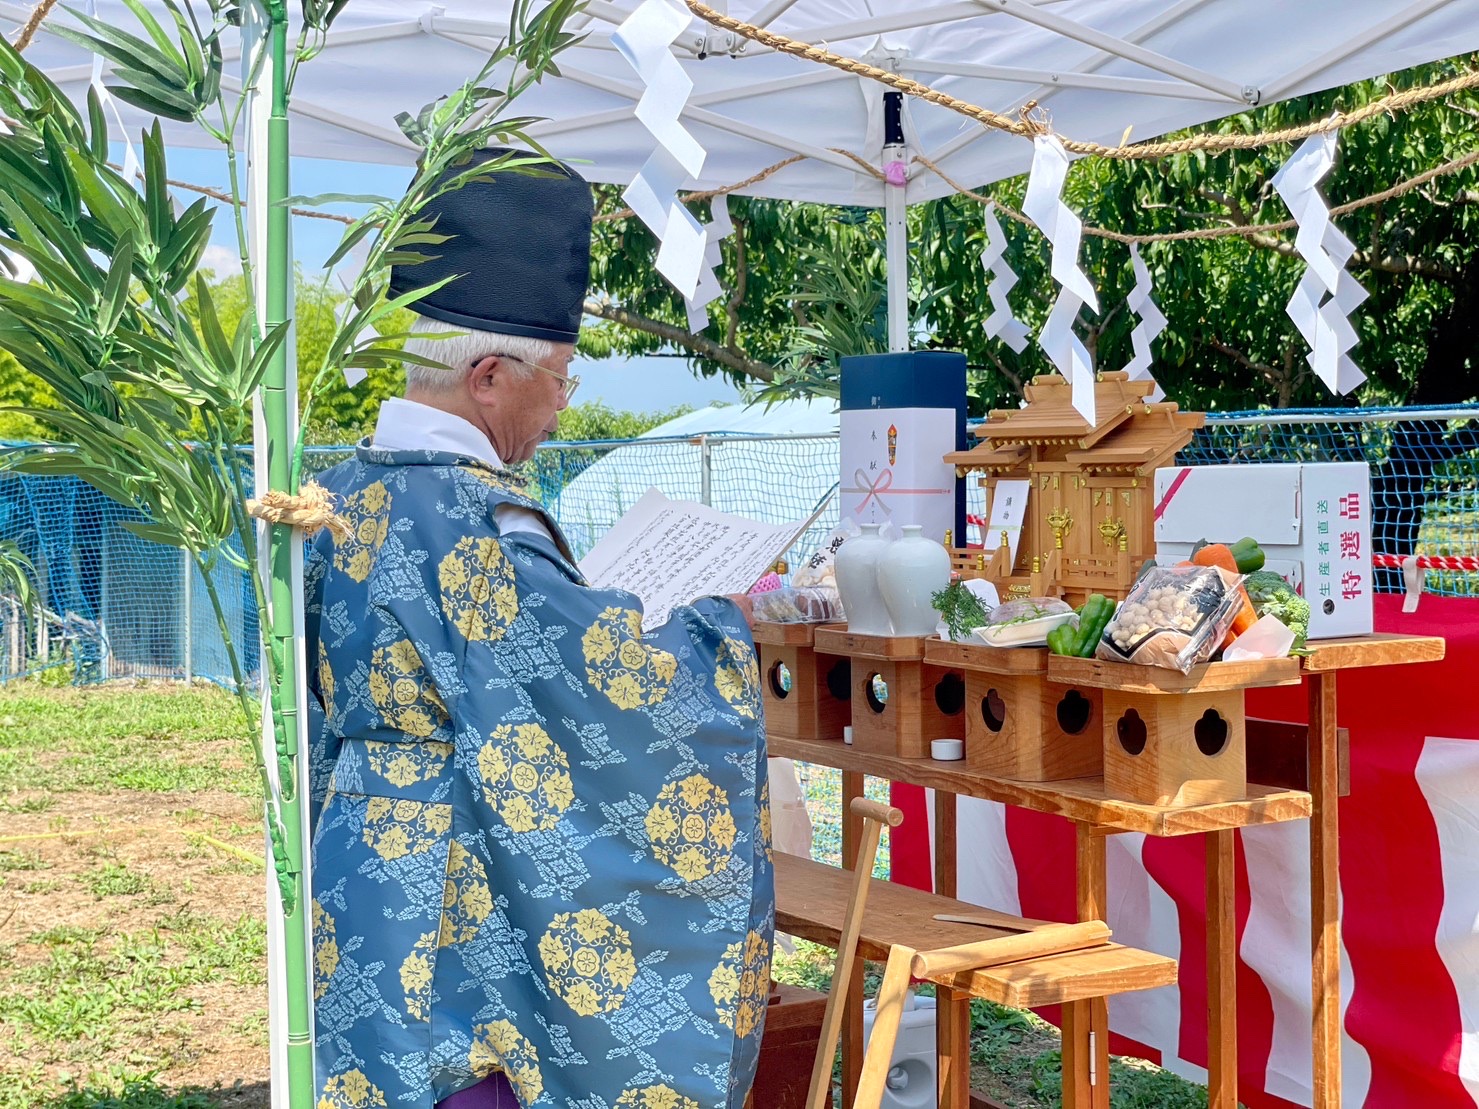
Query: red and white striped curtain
x=1409 y=884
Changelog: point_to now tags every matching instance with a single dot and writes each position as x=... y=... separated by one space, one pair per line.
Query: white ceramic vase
x=912 y=570
x=857 y=580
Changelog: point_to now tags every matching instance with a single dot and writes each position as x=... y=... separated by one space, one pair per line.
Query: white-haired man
x=541 y=846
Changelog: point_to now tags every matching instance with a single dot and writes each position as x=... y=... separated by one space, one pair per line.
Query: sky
x=645 y=384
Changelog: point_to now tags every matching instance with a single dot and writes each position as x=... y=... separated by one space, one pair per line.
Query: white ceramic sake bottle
x=857 y=580
x=912 y=570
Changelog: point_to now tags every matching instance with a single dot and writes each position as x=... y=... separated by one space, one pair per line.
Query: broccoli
x=1272 y=596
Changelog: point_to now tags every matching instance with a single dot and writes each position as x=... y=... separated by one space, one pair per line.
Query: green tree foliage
x=341 y=414
x=805 y=283
x=585 y=423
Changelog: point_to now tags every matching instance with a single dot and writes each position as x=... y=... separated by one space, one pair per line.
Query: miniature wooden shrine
x=1089 y=524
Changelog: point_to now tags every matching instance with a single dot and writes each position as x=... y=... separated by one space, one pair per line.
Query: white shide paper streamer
x=1151 y=323
x=1063 y=230
x=1001 y=324
x=720 y=228
x=644 y=40
x=131 y=161
x=1326 y=295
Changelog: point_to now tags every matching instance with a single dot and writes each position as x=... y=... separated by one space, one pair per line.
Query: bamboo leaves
x=174 y=77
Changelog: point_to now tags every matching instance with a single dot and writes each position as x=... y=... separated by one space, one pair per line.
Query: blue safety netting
x=117 y=606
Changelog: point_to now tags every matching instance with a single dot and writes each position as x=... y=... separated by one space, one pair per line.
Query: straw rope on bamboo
x=311 y=509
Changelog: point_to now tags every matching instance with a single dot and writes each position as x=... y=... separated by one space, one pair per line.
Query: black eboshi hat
x=520 y=250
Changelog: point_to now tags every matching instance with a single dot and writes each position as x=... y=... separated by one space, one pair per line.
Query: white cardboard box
x=893 y=468
x=1313 y=521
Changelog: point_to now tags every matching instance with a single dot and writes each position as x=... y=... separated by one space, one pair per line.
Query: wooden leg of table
x=944 y=843
x=852 y=1014
x=852 y=823
x=1078 y=1058
x=953 y=1047
x=1325 y=888
x=1091 y=1025
x=1222 y=966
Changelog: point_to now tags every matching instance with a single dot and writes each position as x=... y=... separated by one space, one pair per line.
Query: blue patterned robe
x=542 y=839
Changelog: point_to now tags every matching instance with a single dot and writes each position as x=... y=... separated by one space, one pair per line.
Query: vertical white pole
x=895 y=225
x=706 y=471
x=254 y=38
x=187 y=567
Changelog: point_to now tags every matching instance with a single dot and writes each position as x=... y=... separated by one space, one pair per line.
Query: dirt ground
x=140 y=867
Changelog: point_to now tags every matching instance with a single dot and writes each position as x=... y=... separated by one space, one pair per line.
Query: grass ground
x=132 y=944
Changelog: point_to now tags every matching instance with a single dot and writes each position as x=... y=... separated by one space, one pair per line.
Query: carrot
x=1221 y=556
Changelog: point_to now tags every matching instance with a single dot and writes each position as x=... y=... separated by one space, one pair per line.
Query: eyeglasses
x=570 y=383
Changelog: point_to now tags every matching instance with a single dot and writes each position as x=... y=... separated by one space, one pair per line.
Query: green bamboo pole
x=282 y=670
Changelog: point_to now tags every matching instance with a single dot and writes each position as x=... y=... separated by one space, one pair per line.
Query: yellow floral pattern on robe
x=368 y=515
x=403 y=691
x=629 y=672
x=351 y=1090
x=499 y=1047
x=740 y=984
x=655 y=1097
x=526 y=777
x=326 y=685
x=325 y=949
x=691 y=827
x=416 y=973
x=405 y=764
x=477 y=583
x=737 y=677
x=766 y=842
x=396 y=829
x=467 y=900
x=588 y=961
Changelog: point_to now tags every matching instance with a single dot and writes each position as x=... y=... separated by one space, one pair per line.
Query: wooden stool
x=905 y=962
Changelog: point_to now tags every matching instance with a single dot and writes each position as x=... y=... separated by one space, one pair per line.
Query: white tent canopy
x=1098 y=66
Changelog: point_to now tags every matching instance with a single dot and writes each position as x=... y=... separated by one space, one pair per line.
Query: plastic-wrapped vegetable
x=789 y=605
x=1174 y=617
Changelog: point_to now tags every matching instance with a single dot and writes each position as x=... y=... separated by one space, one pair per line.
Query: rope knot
x=1034 y=119
x=312 y=510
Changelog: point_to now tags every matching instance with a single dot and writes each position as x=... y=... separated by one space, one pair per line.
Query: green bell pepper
x=1248 y=555
x=1063 y=640
x=1093 y=618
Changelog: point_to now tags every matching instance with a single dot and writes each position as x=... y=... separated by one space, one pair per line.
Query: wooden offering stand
x=806 y=693
x=1188 y=772
x=922 y=701
x=1090 y=523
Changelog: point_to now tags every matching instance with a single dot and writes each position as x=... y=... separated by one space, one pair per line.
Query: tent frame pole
x=896 y=224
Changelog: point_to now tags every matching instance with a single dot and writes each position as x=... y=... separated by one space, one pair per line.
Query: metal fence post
x=706 y=470
x=189 y=571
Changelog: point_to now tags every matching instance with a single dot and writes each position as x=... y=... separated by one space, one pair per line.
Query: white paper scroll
x=1326 y=295
x=1001 y=324
x=720 y=228
x=1044 y=206
x=1151 y=323
x=644 y=40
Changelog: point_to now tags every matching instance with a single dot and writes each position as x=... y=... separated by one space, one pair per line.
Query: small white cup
x=947 y=750
x=847 y=733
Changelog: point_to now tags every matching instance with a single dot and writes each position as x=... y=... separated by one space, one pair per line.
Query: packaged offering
x=791 y=605
x=1174 y=617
